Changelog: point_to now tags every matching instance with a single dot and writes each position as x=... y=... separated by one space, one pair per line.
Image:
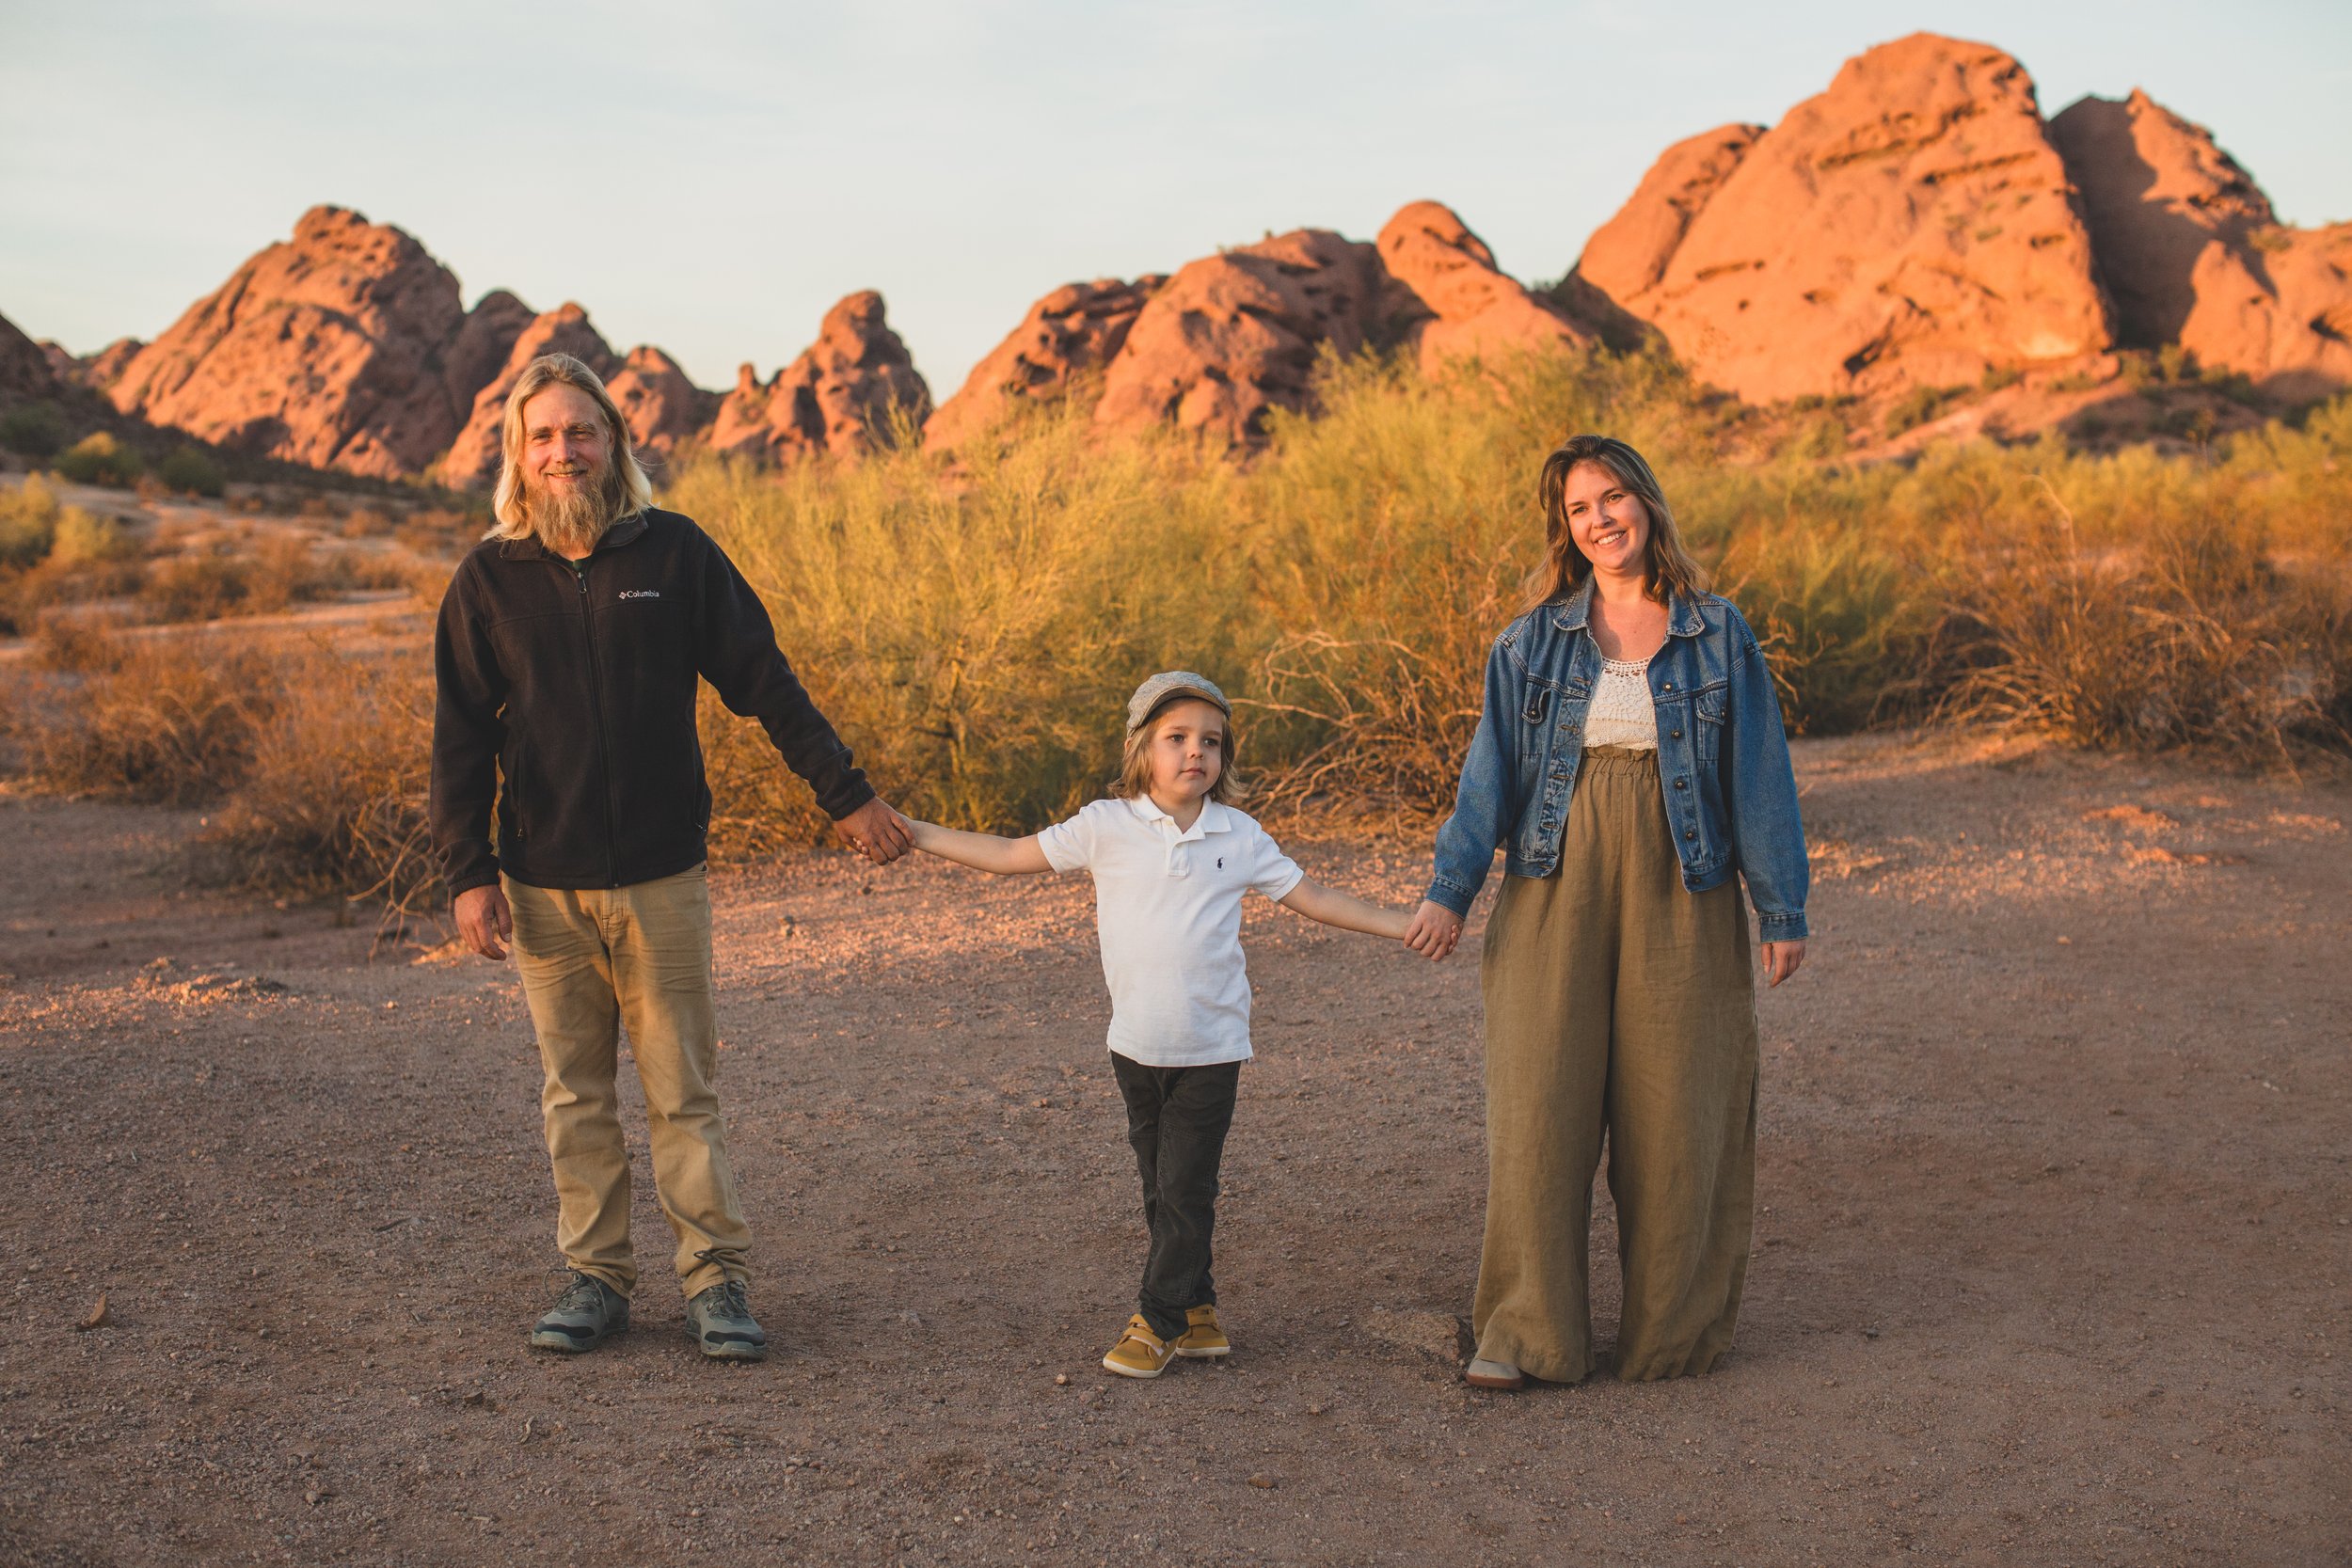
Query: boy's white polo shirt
x=1167 y=905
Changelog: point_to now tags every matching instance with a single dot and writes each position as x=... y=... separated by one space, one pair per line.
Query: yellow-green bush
x=191 y=471
x=100 y=459
x=974 y=628
x=317 y=759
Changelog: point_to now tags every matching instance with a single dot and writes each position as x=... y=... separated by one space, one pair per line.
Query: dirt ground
x=2055 y=1221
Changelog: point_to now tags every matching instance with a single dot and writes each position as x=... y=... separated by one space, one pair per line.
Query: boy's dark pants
x=1177 y=1118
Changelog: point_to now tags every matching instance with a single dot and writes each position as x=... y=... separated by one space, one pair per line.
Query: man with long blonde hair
x=568 y=656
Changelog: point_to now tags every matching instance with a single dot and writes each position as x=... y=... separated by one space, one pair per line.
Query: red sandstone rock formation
x=1234 y=335
x=95 y=371
x=2281 y=310
x=473 y=458
x=24 y=371
x=2192 y=253
x=1465 y=304
x=661 y=405
x=1628 y=255
x=102 y=370
x=1911 y=226
x=836 y=400
x=479 y=352
x=328 y=349
x=1067 y=336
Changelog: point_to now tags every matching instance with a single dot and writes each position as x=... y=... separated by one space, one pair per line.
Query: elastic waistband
x=1620 y=759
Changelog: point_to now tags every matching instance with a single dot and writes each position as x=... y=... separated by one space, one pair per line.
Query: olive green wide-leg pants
x=1617 y=1003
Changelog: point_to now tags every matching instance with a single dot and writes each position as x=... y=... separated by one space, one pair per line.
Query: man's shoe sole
x=564 y=1344
x=727 y=1352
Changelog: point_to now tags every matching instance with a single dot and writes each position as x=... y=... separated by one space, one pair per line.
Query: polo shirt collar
x=1214 y=819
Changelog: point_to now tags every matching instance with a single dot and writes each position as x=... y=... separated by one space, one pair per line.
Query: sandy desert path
x=2054 y=1254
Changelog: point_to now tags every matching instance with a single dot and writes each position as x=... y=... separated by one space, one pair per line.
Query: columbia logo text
x=639 y=593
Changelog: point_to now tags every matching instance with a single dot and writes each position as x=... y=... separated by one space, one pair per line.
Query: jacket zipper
x=604 y=740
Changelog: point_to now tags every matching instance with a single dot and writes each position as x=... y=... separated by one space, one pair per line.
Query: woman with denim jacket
x=1631 y=762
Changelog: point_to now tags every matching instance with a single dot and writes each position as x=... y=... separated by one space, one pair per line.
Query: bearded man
x=567 y=657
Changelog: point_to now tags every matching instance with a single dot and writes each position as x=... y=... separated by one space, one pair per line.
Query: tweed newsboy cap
x=1172 y=683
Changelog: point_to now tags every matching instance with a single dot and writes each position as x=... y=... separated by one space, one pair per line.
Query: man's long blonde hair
x=626 y=487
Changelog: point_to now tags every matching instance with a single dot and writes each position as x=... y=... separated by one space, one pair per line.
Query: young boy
x=1170 y=860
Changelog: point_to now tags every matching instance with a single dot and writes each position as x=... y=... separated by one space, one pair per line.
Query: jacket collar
x=625 y=531
x=1682 y=612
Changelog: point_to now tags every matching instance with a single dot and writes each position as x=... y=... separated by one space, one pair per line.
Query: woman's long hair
x=1670 y=568
x=626 y=487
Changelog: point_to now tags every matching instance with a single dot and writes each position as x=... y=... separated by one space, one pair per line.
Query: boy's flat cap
x=1172 y=683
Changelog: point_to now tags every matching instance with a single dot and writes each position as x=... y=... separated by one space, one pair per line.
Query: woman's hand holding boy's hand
x=1434 y=929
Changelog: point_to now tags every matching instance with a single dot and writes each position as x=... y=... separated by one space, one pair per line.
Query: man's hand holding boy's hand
x=876 y=831
x=1434 y=930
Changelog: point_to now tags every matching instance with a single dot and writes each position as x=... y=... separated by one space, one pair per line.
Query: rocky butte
x=1917 y=224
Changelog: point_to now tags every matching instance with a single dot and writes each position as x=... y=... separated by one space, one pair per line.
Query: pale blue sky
x=710 y=176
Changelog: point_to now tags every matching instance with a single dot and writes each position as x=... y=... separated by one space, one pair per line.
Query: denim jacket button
x=1677 y=734
x=1678 y=784
x=1690 y=832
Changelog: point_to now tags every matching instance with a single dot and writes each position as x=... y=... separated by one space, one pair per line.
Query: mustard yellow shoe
x=1203 y=1336
x=1140 y=1352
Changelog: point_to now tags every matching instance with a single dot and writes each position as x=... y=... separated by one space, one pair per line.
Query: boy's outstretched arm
x=981 y=851
x=1346 y=911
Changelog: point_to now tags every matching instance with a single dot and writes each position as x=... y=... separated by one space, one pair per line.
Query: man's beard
x=573 y=519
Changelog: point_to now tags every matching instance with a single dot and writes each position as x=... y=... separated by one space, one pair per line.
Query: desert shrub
x=974 y=629
x=84 y=538
x=1387 y=542
x=197 y=586
x=975 y=638
x=100 y=459
x=251 y=578
x=438 y=530
x=28 y=523
x=317 y=760
x=1999 y=377
x=33 y=429
x=190 y=471
x=142 y=719
x=1918 y=405
x=331 y=799
x=2190 y=636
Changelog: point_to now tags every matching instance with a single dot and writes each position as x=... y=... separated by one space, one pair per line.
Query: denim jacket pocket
x=1709 y=709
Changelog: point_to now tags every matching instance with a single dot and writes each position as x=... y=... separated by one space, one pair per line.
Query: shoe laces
x=733 y=1295
x=582 y=1295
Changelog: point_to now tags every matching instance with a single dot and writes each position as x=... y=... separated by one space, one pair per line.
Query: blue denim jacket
x=1722 y=758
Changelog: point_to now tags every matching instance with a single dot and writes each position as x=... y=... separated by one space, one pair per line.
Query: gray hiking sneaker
x=720 y=1322
x=587 y=1314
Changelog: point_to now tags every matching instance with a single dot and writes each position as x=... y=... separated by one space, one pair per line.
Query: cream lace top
x=1622 y=711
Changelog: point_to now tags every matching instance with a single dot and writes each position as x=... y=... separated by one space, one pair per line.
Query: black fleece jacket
x=574 y=681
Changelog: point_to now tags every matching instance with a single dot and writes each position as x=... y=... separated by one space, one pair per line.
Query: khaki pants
x=1617 y=1003
x=592 y=961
